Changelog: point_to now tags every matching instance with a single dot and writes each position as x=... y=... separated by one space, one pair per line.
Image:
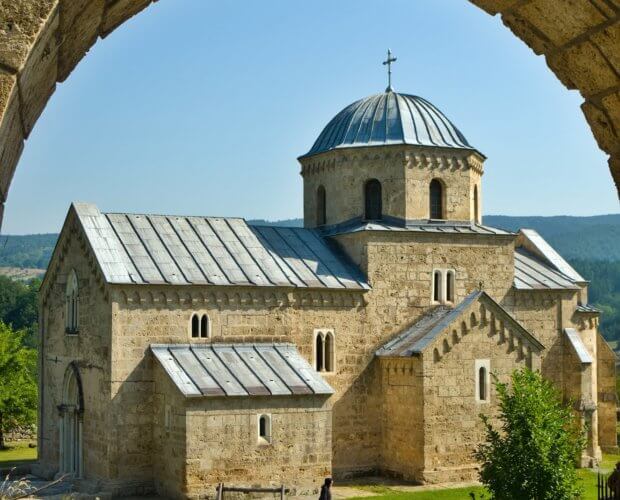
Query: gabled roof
x=159 y=249
x=578 y=346
x=536 y=244
x=533 y=273
x=239 y=370
x=587 y=309
x=415 y=338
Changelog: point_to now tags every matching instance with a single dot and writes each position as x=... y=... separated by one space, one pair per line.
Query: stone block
x=118 y=11
x=608 y=41
x=37 y=81
x=562 y=20
x=20 y=23
x=537 y=41
x=11 y=141
x=583 y=66
x=604 y=121
x=80 y=30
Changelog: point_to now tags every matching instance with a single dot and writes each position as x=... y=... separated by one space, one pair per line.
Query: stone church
x=180 y=352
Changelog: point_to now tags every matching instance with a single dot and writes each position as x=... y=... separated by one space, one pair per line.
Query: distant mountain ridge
x=590 y=238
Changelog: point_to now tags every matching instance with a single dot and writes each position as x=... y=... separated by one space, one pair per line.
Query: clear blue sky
x=201 y=107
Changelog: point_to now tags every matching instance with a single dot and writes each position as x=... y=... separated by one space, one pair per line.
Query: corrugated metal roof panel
x=587 y=308
x=578 y=346
x=144 y=249
x=239 y=370
x=550 y=254
x=420 y=226
x=531 y=273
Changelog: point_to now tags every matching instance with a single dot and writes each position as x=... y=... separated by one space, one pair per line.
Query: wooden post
x=282 y=492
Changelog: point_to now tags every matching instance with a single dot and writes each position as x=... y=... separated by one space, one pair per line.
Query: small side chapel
x=180 y=352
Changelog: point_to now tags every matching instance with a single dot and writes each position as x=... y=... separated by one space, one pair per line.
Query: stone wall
x=344 y=172
x=452 y=426
x=607 y=398
x=90 y=348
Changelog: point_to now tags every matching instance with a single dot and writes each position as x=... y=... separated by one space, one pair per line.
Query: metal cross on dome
x=389 y=62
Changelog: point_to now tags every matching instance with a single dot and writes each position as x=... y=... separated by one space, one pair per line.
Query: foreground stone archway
x=41 y=42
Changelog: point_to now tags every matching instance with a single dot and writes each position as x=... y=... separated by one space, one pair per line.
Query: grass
x=587 y=476
x=16 y=454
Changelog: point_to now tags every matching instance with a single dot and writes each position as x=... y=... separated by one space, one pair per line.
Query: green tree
x=533 y=456
x=18 y=387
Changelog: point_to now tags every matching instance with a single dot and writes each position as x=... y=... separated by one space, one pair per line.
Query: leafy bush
x=18 y=387
x=534 y=453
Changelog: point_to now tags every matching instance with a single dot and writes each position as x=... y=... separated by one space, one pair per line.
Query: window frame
x=321 y=206
x=479 y=365
x=442 y=199
x=196 y=326
x=266 y=438
x=367 y=196
x=328 y=359
x=72 y=304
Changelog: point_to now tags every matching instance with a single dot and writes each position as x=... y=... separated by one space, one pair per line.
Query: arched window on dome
x=476 y=209
x=372 y=200
x=436 y=197
x=321 y=206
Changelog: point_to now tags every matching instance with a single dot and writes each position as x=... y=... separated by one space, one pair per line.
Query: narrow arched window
x=329 y=352
x=195 y=326
x=476 y=209
x=482 y=384
x=450 y=286
x=204 y=326
x=437 y=286
x=319 y=352
x=436 y=196
x=321 y=206
x=372 y=200
x=264 y=429
x=71 y=303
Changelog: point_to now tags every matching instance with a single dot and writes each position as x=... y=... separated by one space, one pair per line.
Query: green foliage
x=32 y=250
x=18 y=387
x=534 y=453
x=18 y=307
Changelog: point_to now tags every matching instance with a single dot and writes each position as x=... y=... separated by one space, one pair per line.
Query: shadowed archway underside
x=41 y=42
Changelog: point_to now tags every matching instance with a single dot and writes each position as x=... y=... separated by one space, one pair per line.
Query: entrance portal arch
x=71 y=412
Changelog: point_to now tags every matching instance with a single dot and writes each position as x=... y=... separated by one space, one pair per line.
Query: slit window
x=450 y=286
x=264 y=429
x=71 y=304
x=482 y=375
x=476 y=210
x=321 y=206
x=437 y=286
x=373 y=200
x=482 y=383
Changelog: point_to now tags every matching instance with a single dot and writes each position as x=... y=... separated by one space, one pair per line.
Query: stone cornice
x=244 y=297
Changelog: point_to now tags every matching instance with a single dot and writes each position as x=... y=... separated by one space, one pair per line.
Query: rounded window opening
x=71 y=304
x=450 y=286
x=264 y=429
x=324 y=347
x=372 y=200
x=436 y=197
x=200 y=326
x=437 y=286
x=321 y=206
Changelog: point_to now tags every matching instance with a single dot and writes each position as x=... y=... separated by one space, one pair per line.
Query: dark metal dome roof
x=389 y=118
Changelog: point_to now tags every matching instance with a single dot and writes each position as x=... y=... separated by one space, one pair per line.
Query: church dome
x=386 y=119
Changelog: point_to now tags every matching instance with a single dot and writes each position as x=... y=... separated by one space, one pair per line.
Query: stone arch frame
x=71 y=414
x=324 y=350
x=373 y=199
x=199 y=325
x=48 y=39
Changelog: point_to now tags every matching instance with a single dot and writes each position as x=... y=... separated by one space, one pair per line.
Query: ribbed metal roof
x=239 y=370
x=579 y=348
x=587 y=309
x=416 y=226
x=532 y=273
x=143 y=249
x=389 y=118
x=415 y=338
